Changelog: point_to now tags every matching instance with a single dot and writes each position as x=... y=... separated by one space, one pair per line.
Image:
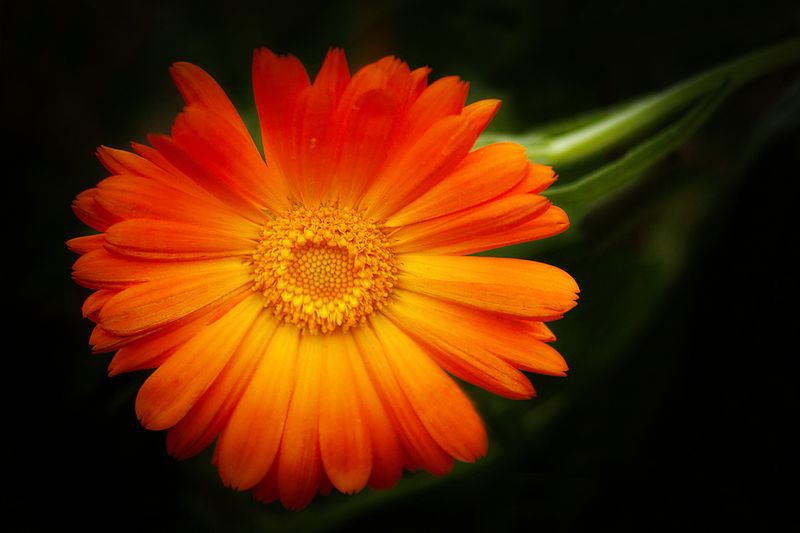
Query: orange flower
x=305 y=311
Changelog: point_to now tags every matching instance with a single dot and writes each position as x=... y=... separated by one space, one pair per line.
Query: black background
x=687 y=427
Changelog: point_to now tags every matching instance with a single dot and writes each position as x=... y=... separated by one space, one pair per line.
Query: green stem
x=644 y=112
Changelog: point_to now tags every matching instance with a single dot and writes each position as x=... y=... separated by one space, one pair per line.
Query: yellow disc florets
x=323 y=268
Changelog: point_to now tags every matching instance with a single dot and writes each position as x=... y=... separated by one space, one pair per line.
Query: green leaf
x=578 y=197
x=572 y=140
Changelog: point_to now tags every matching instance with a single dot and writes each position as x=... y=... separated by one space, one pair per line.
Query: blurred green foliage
x=678 y=396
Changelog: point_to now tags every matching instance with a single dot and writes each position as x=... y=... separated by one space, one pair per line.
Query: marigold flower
x=305 y=312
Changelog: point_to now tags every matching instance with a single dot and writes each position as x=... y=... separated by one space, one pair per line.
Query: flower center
x=324 y=268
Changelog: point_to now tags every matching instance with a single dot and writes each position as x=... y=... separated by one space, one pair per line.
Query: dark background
x=682 y=381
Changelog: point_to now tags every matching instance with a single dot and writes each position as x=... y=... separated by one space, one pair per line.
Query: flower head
x=305 y=308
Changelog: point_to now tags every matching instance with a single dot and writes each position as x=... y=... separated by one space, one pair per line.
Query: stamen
x=323 y=269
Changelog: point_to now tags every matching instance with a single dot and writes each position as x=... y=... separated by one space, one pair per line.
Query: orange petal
x=552 y=222
x=127 y=360
x=249 y=442
x=230 y=156
x=421 y=450
x=99 y=269
x=123 y=162
x=212 y=412
x=483 y=175
x=198 y=88
x=175 y=178
x=511 y=286
x=539 y=357
x=177 y=156
x=171 y=240
x=537 y=178
x=444 y=97
x=472 y=230
x=418 y=83
x=366 y=117
x=148 y=351
x=477 y=334
x=127 y=196
x=86 y=244
x=267 y=489
x=428 y=161
x=364 y=137
x=442 y=407
x=344 y=439
x=311 y=140
x=539 y=330
x=103 y=341
x=387 y=455
x=90 y=213
x=299 y=463
x=488 y=372
x=471 y=362
x=546 y=224
x=277 y=83
x=387 y=74
x=334 y=74
x=149 y=305
x=176 y=385
x=91 y=307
